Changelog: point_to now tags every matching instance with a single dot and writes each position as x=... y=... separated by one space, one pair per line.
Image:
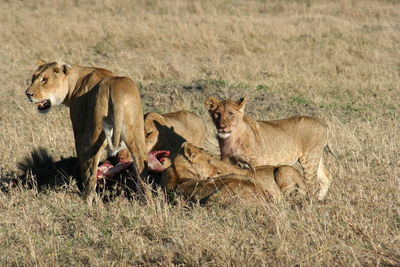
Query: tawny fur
x=195 y=163
x=169 y=131
x=243 y=139
x=96 y=98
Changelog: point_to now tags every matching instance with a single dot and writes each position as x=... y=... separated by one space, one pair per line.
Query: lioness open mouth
x=155 y=160
x=44 y=105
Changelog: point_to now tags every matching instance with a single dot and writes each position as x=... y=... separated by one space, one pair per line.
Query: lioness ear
x=189 y=150
x=40 y=62
x=66 y=69
x=242 y=103
x=211 y=103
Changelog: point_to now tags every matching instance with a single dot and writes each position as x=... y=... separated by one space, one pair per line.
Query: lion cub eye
x=44 y=80
x=230 y=114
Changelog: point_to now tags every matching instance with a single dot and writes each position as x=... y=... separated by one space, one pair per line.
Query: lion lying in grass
x=243 y=139
x=193 y=168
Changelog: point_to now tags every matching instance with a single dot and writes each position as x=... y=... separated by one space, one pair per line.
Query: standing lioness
x=281 y=142
x=100 y=103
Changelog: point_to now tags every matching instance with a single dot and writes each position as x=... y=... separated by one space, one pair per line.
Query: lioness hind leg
x=310 y=163
x=324 y=178
x=134 y=140
x=314 y=168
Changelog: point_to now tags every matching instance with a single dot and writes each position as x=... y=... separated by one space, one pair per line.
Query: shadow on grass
x=40 y=171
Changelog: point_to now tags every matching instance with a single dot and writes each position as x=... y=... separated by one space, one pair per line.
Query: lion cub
x=195 y=163
x=101 y=105
x=281 y=142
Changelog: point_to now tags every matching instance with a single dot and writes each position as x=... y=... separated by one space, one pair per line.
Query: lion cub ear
x=66 y=69
x=242 y=103
x=190 y=151
x=40 y=62
x=211 y=103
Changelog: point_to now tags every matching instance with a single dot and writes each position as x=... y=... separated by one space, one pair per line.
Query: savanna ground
x=337 y=60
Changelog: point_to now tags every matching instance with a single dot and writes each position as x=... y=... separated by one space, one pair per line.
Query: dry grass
x=339 y=60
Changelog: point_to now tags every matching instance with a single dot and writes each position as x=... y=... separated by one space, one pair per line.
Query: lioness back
x=289 y=139
x=170 y=130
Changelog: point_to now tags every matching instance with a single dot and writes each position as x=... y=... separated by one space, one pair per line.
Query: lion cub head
x=49 y=85
x=195 y=163
x=225 y=114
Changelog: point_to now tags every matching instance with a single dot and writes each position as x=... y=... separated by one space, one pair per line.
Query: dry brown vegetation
x=337 y=60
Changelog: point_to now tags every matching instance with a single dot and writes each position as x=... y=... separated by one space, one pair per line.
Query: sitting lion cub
x=102 y=105
x=281 y=142
x=195 y=163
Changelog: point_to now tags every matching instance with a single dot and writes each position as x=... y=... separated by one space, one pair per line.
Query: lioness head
x=49 y=85
x=225 y=114
x=195 y=163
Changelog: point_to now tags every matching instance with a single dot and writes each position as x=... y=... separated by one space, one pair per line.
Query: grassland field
x=335 y=60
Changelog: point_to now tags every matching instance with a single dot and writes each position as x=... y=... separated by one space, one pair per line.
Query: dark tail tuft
x=39 y=169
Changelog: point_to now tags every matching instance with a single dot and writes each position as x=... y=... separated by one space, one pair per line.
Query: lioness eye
x=230 y=114
x=44 y=80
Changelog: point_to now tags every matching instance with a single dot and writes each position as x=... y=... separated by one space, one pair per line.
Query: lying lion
x=194 y=163
x=243 y=139
x=105 y=109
